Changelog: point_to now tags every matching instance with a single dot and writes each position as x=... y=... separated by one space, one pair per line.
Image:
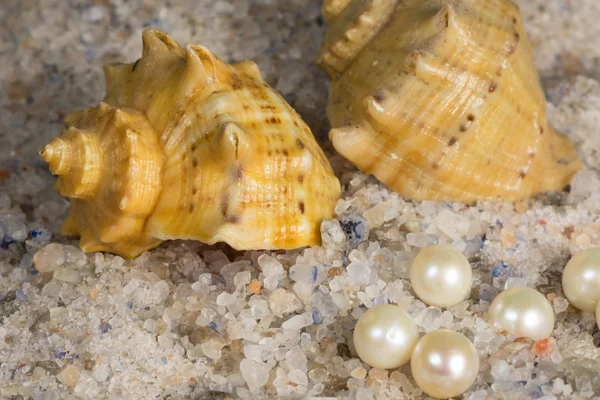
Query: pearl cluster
x=445 y=363
x=386 y=337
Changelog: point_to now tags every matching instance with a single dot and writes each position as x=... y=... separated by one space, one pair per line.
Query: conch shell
x=185 y=146
x=440 y=99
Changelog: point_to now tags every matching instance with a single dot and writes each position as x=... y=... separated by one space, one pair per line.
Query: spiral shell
x=185 y=146
x=440 y=99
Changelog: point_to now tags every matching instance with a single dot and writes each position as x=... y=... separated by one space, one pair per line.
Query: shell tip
x=233 y=140
x=333 y=8
x=249 y=68
x=57 y=155
x=349 y=138
x=447 y=16
x=202 y=65
x=155 y=41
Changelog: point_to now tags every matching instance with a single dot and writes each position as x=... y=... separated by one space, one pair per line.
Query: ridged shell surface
x=440 y=99
x=185 y=146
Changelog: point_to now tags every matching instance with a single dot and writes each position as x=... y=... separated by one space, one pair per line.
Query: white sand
x=180 y=322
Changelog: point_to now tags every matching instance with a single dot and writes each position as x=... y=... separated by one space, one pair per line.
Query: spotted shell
x=185 y=146
x=440 y=99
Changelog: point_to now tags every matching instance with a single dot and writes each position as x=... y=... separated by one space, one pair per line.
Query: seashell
x=440 y=99
x=185 y=146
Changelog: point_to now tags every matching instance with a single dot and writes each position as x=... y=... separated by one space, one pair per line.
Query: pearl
x=444 y=364
x=441 y=276
x=385 y=336
x=522 y=311
x=581 y=280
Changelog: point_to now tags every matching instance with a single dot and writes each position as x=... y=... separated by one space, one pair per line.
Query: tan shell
x=440 y=99
x=185 y=146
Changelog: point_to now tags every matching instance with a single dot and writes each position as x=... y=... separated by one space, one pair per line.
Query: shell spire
x=440 y=100
x=109 y=163
x=352 y=25
x=76 y=157
x=186 y=146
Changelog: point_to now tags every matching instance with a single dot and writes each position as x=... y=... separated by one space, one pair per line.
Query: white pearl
x=385 y=336
x=522 y=311
x=444 y=364
x=581 y=280
x=441 y=276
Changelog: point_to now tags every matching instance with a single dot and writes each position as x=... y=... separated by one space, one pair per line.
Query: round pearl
x=385 y=336
x=581 y=280
x=522 y=311
x=441 y=276
x=444 y=364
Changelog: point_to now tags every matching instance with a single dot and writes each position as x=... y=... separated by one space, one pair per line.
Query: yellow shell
x=185 y=146
x=440 y=99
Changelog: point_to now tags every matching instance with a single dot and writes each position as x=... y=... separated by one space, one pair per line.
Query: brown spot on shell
x=286 y=152
x=236 y=82
x=471 y=117
x=452 y=141
x=232 y=219
x=522 y=175
x=493 y=87
x=194 y=163
x=463 y=128
x=301 y=207
x=300 y=178
x=191 y=209
x=435 y=165
x=194 y=190
x=224 y=205
x=300 y=143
